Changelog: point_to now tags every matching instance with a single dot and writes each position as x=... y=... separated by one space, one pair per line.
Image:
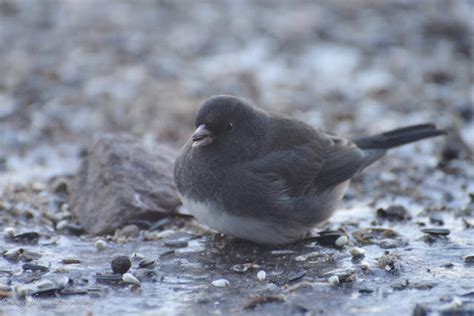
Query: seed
x=341 y=241
x=130 y=278
x=333 y=280
x=220 y=283
x=9 y=232
x=261 y=275
x=357 y=252
x=100 y=244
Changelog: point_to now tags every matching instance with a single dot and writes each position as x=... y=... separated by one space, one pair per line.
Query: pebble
x=34 y=267
x=357 y=252
x=469 y=259
x=130 y=278
x=108 y=277
x=121 y=264
x=261 y=275
x=9 y=232
x=220 y=283
x=70 y=261
x=296 y=275
x=333 y=280
x=146 y=263
x=100 y=244
x=437 y=231
x=178 y=243
x=21 y=254
x=26 y=237
x=341 y=241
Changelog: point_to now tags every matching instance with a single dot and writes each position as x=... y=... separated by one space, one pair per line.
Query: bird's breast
x=244 y=227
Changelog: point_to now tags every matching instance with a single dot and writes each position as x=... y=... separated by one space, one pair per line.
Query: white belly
x=242 y=227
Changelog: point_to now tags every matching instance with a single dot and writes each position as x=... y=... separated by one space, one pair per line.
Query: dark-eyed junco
x=270 y=178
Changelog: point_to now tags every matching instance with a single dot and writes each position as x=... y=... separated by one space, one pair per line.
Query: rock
x=146 y=263
x=469 y=259
x=120 y=180
x=121 y=264
x=437 y=231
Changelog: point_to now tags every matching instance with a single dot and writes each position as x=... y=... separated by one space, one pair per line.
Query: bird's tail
x=398 y=137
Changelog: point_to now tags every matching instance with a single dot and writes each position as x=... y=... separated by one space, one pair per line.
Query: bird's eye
x=229 y=126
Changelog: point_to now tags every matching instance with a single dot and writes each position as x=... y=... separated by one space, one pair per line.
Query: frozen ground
x=75 y=69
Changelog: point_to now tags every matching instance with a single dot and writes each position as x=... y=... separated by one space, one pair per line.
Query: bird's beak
x=202 y=136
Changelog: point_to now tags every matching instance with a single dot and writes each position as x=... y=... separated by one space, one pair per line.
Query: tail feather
x=398 y=137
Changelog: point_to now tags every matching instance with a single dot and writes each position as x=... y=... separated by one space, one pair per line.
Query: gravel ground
x=74 y=69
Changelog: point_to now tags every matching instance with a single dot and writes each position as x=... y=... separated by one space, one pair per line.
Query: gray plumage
x=270 y=178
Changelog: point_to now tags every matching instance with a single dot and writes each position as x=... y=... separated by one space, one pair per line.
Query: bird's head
x=227 y=123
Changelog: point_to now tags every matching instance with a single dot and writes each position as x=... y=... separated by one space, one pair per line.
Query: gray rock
x=120 y=179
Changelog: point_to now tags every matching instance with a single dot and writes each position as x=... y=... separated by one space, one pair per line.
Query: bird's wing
x=342 y=161
x=314 y=166
x=292 y=168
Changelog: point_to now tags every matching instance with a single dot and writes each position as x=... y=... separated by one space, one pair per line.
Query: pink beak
x=202 y=136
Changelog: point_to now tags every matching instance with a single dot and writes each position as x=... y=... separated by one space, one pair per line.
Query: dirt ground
x=72 y=70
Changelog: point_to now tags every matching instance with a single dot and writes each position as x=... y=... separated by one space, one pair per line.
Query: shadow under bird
x=270 y=178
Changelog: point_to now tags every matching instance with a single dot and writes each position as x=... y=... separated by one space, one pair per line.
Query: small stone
x=220 y=283
x=9 y=232
x=70 y=261
x=121 y=264
x=178 y=243
x=100 y=244
x=341 y=241
x=333 y=280
x=34 y=267
x=436 y=231
x=130 y=278
x=261 y=275
x=357 y=252
x=296 y=275
x=469 y=259
x=28 y=237
x=108 y=277
x=146 y=263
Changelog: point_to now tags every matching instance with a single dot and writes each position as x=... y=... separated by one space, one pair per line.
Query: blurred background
x=71 y=69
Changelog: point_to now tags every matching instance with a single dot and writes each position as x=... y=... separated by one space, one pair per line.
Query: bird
x=270 y=178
